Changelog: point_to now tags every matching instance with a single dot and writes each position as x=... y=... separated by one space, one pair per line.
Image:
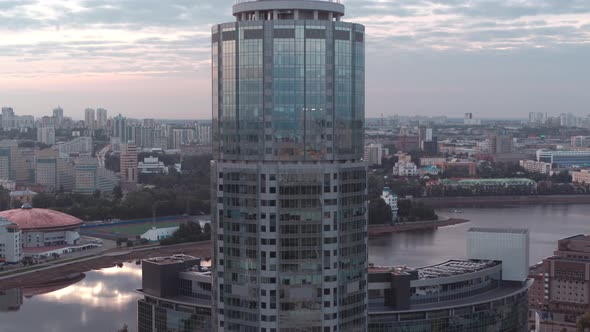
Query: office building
x=10 y=242
x=101 y=118
x=563 y=159
x=85 y=173
x=289 y=189
x=500 y=144
x=24 y=165
x=129 y=167
x=176 y=295
x=46 y=172
x=537 y=118
x=90 y=118
x=488 y=293
x=46 y=135
x=580 y=141
x=373 y=154
x=562 y=284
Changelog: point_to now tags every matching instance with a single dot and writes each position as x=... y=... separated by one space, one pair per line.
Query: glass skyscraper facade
x=289 y=183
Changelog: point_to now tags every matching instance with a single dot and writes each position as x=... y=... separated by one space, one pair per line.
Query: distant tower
x=289 y=180
x=101 y=118
x=129 y=154
x=58 y=114
x=89 y=118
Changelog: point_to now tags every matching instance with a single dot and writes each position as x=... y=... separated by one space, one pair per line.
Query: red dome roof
x=28 y=219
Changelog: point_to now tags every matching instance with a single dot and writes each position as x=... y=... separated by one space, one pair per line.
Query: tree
x=207 y=228
x=583 y=322
x=379 y=213
x=117 y=192
x=125 y=328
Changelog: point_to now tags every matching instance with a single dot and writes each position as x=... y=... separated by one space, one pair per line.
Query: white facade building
x=373 y=154
x=406 y=169
x=158 y=234
x=46 y=135
x=11 y=246
x=511 y=246
x=536 y=166
x=390 y=199
x=152 y=165
x=79 y=145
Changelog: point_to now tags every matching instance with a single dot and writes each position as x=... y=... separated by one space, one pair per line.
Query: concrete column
x=275 y=15
x=316 y=15
x=243 y=17
x=330 y=16
x=256 y=15
x=296 y=14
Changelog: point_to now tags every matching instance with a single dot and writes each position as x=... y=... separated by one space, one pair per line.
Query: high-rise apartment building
x=8 y=118
x=500 y=144
x=89 y=118
x=129 y=167
x=373 y=154
x=58 y=114
x=8 y=154
x=120 y=128
x=289 y=182
x=46 y=172
x=46 y=135
x=101 y=118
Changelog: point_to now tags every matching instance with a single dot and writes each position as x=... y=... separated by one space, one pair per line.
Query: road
x=100 y=155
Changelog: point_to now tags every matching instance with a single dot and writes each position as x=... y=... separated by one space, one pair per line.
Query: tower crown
x=273 y=10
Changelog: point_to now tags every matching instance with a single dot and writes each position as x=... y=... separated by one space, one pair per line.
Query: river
x=104 y=300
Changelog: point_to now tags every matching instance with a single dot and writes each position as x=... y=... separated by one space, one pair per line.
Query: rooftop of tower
x=272 y=10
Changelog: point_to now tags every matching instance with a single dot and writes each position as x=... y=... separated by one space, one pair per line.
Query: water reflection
x=102 y=301
x=546 y=224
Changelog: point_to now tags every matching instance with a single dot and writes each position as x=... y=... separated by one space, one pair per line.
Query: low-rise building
x=391 y=199
x=22 y=196
x=177 y=295
x=533 y=166
x=152 y=165
x=405 y=169
x=159 y=234
x=582 y=176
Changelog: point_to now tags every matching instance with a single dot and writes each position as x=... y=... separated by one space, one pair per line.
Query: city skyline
x=491 y=58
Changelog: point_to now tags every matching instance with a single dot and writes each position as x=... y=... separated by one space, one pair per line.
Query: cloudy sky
x=150 y=58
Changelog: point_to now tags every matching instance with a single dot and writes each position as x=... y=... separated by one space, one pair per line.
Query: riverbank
x=42 y=275
x=376 y=230
x=475 y=201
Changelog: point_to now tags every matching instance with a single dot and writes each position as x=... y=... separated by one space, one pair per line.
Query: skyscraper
x=129 y=167
x=89 y=118
x=101 y=118
x=289 y=183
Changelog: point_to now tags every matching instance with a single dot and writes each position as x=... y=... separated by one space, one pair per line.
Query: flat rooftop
x=454 y=268
x=505 y=290
x=447 y=269
x=174 y=259
x=499 y=230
